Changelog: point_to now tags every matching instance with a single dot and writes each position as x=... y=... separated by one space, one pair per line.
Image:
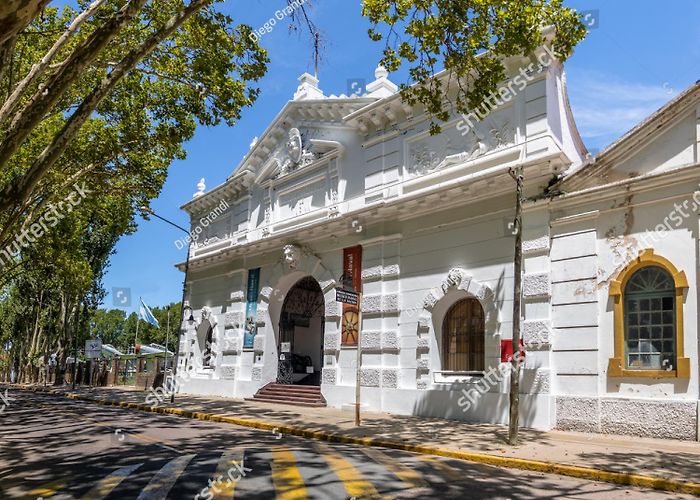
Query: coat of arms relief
x=452 y=147
x=298 y=154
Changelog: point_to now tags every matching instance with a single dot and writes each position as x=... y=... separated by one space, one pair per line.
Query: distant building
x=357 y=186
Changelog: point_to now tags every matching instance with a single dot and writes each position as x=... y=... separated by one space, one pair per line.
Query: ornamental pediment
x=297 y=149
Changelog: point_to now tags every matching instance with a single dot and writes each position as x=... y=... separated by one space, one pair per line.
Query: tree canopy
x=467 y=40
x=95 y=103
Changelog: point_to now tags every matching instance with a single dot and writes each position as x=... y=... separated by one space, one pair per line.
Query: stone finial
x=382 y=86
x=308 y=88
x=253 y=142
x=201 y=186
x=380 y=72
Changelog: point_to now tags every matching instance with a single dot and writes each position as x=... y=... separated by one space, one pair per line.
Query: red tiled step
x=286 y=401
x=300 y=395
x=305 y=388
x=280 y=394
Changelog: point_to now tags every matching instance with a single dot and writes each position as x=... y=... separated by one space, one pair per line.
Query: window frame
x=469 y=337
x=617 y=365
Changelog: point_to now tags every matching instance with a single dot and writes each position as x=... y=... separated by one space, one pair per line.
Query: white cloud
x=606 y=107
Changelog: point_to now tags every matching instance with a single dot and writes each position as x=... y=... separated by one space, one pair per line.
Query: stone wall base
x=666 y=419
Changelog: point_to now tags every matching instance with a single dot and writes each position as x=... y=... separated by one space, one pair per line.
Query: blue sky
x=638 y=57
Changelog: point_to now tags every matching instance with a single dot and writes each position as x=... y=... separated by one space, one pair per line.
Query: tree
x=107 y=325
x=98 y=102
x=468 y=40
x=16 y=14
x=139 y=75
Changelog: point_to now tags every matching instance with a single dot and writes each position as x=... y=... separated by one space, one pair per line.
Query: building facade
x=356 y=191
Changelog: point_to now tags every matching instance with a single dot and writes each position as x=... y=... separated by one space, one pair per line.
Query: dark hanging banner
x=352 y=267
x=251 y=309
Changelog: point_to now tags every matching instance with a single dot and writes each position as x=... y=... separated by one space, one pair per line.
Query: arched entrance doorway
x=300 y=342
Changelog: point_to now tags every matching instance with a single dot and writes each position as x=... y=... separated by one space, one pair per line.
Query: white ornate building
x=610 y=264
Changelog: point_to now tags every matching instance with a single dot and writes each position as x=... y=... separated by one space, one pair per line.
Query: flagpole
x=167 y=331
x=136 y=338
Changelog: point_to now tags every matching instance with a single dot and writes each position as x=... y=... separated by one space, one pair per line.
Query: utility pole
x=359 y=359
x=517 y=175
x=167 y=331
x=184 y=295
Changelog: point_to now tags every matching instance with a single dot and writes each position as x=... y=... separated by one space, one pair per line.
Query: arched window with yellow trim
x=648 y=297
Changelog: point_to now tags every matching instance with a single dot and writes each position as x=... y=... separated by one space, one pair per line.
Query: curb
x=589 y=473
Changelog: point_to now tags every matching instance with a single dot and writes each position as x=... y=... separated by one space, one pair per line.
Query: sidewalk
x=674 y=461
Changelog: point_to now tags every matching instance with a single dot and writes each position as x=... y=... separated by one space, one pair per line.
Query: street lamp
x=150 y=211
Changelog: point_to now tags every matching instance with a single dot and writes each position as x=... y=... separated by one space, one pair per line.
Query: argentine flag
x=146 y=314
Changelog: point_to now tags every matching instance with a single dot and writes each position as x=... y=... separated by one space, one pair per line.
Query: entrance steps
x=289 y=394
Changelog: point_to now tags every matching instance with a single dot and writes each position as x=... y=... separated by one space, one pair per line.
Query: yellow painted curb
x=657 y=483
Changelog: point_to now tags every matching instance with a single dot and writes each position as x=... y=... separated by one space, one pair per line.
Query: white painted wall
x=424 y=205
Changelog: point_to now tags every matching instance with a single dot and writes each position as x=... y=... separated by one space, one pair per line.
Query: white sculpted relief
x=454 y=278
x=451 y=147
x=297 y=155
x=291 y=255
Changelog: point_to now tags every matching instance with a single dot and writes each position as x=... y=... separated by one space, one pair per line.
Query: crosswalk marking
x=229 y=461
x=165 y=478
x=409 y=476
x=105 y=486
x=446 y=470
x=285 y=475
x=353 y=481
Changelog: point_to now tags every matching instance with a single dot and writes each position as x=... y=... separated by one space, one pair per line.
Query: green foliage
x=468 y=39
x=201 y=75
x=107 y=325
x=113 y=326
x=204 y=74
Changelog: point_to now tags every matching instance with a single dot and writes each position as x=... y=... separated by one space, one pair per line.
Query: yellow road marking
x=353 y=481
x=409 y=476
x=229 y=461
x=446 y=470
x=163 y=481
x=47 y=490
x=581 y=472
x=105 y=486
x=287 y=479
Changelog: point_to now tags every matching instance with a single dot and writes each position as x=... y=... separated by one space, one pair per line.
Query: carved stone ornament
x=206 y=313
x=294 y=145
x=292 y=255
x=333 y=206
x=297 y=155
x=453 y=147
x=454 y=278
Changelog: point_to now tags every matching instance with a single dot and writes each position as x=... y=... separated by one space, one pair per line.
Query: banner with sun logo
x=352 y=268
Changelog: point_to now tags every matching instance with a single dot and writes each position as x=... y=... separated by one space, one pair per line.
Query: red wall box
x=507 y=351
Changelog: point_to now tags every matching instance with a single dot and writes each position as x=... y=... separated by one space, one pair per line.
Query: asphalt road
x=54 y=447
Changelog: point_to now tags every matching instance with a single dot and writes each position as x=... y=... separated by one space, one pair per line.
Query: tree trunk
x=517 y=175
x=39 y=68
x=6 y=50
x=15 y=15
x=16 y=194
x=48 y=95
